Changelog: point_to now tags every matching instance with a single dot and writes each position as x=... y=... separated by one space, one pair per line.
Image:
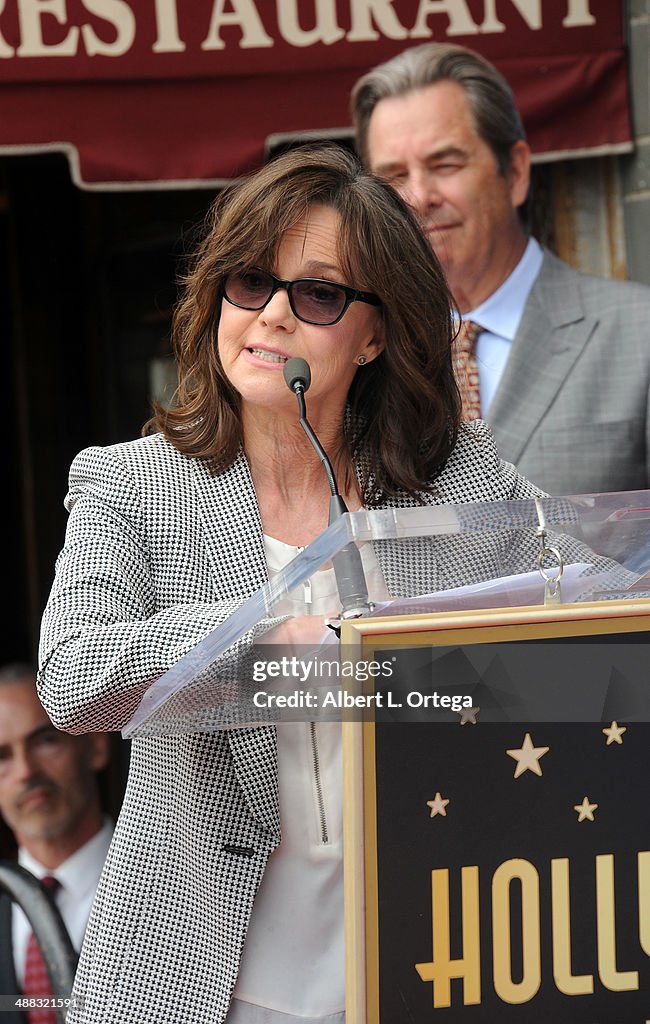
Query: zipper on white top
x=322 y=817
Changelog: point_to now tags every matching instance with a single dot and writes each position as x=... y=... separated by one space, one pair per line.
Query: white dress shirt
x=500 y=316
x=78 y=877
x=293 y=966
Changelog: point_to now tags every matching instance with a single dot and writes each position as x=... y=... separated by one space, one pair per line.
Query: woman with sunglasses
x=222 y=894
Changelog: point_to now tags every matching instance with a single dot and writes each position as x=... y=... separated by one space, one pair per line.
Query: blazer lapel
x=232 y=530
x=229 y=515
x=552 y=334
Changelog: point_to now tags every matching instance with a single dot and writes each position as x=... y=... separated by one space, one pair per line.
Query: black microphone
x=350 y=577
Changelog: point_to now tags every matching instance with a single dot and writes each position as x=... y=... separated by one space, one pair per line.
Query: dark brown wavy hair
x=403 y=407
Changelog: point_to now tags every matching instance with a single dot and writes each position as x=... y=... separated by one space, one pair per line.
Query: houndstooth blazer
x=157 y=552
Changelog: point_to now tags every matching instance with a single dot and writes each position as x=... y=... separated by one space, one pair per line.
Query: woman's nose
x=277 y=311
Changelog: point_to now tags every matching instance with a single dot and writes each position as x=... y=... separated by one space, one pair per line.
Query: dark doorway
x=88 y=283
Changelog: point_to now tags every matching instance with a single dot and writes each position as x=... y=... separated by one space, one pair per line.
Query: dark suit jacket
x=8 y=981
x=571 y=410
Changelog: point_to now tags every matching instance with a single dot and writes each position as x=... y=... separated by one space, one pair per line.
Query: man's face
x=425 y=143
x=47 y=781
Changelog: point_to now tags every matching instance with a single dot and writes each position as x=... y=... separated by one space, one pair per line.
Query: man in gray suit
x=563 y=359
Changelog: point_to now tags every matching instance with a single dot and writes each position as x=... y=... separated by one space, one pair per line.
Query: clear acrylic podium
x=501 y=868
x=445 y=558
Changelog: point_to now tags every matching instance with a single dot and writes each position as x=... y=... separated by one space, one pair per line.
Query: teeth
x=269 y=357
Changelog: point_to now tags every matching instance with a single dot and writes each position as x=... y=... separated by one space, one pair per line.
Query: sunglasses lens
x=249 y=289
x=317 y=301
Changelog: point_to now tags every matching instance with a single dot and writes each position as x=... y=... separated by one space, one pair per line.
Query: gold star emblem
x=585 y=810
x=614 y=733
x=437 y=806
x=527 y=757
x=468 y=715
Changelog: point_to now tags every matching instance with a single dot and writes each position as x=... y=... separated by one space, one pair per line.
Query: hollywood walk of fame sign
x=501 y=871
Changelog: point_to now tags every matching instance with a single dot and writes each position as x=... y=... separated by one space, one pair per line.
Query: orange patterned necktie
x=37 y=980
x=466 y=368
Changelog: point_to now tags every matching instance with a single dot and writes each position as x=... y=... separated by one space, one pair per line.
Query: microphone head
x=297 y=374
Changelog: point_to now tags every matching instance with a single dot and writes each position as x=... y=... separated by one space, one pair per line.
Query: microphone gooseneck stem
x=348 y=567
x=316 y=445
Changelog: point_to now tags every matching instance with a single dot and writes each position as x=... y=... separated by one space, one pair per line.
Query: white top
x=293 y=960
x=78 y=877
x=500 y=316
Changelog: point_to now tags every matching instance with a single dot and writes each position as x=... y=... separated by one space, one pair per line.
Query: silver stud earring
x=362 y=360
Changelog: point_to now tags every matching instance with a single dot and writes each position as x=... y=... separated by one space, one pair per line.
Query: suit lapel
x=232 y=531
x=8 y=980
x=552 y=334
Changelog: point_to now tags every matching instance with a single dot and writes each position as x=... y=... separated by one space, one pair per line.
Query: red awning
x=169 y=94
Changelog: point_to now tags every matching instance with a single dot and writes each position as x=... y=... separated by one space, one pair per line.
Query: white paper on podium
x=505 y=592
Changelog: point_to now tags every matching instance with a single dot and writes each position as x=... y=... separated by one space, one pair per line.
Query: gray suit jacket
x=158 y=552
x=571 y=410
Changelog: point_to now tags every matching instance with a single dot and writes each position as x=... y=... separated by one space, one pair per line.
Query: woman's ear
x=375 y=346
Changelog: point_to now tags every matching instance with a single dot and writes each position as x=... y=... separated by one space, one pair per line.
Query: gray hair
x=490 y=97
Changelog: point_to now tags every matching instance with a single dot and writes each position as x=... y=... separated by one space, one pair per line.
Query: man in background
x=556 y=361
x=50 y=800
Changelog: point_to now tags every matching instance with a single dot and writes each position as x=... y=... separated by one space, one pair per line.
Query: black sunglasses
x=312 y=300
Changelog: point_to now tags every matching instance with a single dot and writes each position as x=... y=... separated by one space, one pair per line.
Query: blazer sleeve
x=103 y=639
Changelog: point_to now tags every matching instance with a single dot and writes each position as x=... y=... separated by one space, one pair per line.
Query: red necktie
x=37 y=981
x=466 y=368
